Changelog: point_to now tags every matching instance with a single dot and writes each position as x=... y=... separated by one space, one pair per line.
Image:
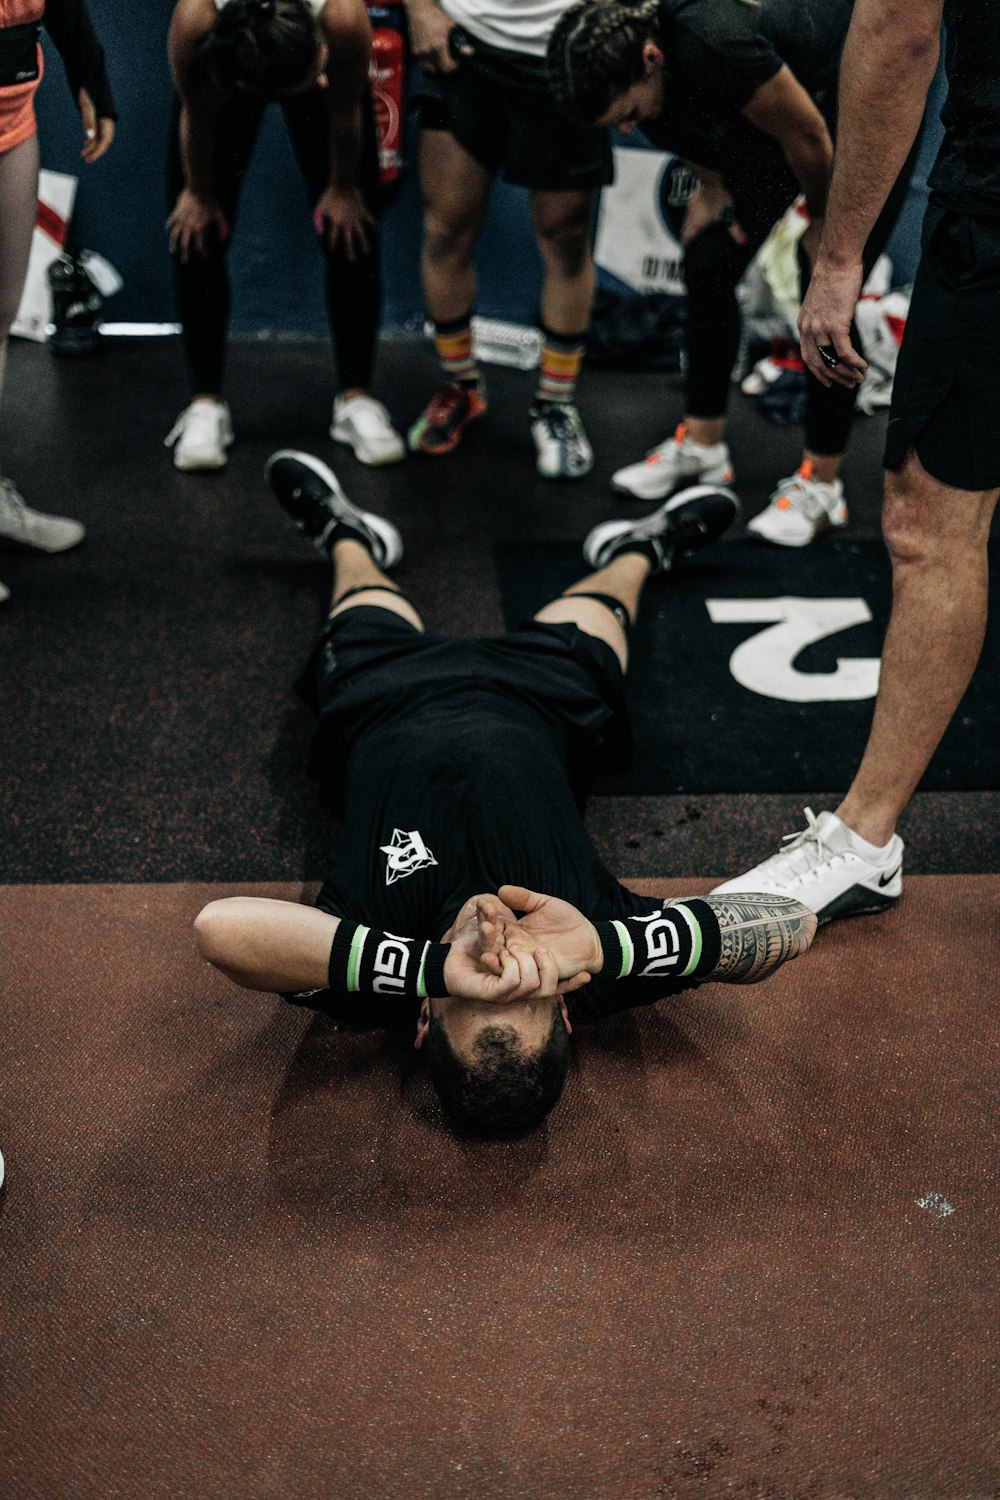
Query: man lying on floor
x=460 y=766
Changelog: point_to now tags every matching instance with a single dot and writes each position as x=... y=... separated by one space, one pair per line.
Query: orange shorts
x=17 y=111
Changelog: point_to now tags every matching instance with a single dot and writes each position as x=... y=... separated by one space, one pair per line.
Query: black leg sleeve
x=353 y=288
x=201 y=285
x=713 y=265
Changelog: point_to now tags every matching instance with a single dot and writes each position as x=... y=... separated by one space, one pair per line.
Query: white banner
x=635 y=246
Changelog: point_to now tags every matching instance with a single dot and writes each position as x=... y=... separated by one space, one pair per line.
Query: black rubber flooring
x=149 y=727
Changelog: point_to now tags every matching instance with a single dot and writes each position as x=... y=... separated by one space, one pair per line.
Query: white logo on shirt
x=406 y=854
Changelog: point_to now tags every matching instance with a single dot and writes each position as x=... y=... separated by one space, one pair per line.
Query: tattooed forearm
x=759 y=933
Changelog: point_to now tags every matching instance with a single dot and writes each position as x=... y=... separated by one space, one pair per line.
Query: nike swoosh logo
x=886 y=879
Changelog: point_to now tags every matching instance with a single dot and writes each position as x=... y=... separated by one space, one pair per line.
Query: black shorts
x=371 y=668
x=498 y=107
x=946 y=392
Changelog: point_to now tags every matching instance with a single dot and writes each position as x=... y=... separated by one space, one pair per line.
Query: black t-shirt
x=467 y=789
x=719 y=52
x=966 y=174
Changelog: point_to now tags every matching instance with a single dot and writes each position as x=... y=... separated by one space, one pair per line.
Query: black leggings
x=762 y=187
x=353 y=290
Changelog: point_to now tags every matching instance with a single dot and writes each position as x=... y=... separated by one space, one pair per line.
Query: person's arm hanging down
x=889 y=60
x=197 y=213
x=341 y=213
x=781 y=108
x=71 y=29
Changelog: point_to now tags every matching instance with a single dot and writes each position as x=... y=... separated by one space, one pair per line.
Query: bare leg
x=623 y=579
x=355 y=568
x=937 y=538
x=18 y=197
x=455 y=190
x=562 y=231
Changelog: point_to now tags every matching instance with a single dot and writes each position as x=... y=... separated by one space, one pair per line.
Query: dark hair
x=266 y=47
x=503 y=1091
x=595 y=54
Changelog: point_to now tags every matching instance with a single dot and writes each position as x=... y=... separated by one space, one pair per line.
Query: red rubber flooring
x=753 y=1253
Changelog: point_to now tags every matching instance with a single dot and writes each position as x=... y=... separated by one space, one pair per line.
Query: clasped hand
x=552 y=949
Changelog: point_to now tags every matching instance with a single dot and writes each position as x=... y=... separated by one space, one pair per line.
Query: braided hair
x=595 y=54
x=266 y=47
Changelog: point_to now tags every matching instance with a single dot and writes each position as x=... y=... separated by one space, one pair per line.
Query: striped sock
x=562 y=357
x=453 y=342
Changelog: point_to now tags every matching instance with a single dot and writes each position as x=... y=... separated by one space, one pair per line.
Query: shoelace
x=443 y=403
x=804 y=850
x=560 y=423
x=12 y=504
x=801 y=494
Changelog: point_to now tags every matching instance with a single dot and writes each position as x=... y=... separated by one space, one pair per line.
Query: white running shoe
x=201 y=435
x=364 y=425
x=691 y=520
x=19 y=523
x=562 y=448
x=800 y=508
x=829 y=869
x=674 y=462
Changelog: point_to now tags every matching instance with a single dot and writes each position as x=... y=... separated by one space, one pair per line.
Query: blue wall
x=121 y=205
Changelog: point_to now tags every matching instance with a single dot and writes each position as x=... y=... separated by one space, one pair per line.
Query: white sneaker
x=800 y=508
x=19 y=523
x=674 y=462
x=829 y=869
x=562 y=448
x=202 y=433
x=364 y=425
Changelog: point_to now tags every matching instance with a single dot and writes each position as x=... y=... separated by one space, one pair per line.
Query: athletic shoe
x=674 y=462
x=201 y=435
x=311 y=495
x=19 y=523
x=800 y=508
x=829 y=869
x=560 y=441
x=691 y=520
x=364 y=425
x=440 y=426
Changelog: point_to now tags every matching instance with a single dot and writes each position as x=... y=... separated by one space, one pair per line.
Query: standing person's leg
x=455 y=189
x=18 y=200
x=353 y=280
x=943 y=461
x=203 y=431
x=714 y=261
x=937 y=538
x=561 y=221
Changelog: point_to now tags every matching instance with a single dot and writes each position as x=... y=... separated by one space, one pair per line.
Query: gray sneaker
x=29 y=528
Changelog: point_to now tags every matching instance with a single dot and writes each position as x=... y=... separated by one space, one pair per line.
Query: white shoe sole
x=374 y=459
x=389 y=535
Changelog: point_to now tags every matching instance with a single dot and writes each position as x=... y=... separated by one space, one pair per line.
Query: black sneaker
x=689 y=521
x=311 y=495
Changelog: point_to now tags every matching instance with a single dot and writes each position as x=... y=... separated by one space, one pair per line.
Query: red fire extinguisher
x=387 y=74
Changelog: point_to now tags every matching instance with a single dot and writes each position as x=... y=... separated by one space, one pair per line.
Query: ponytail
x=595 y=54
x=265 y=47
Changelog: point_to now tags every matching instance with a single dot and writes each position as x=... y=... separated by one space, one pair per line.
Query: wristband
x=680 y=941
x=364 y=960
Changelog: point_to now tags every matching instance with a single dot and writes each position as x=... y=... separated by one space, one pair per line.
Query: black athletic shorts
x=371 y=667
x=946 y=392
x=498 y=106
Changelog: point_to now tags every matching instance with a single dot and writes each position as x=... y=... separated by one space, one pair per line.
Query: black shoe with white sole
x=310 y=494
x=689 y=521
